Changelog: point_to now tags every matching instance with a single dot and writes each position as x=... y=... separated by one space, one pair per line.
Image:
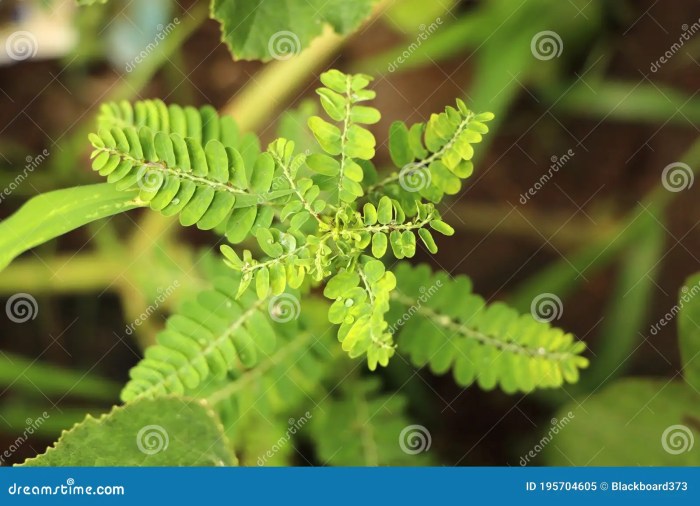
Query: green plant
x=257 y=344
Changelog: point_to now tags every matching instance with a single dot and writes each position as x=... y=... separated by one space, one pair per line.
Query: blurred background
x=584 y=190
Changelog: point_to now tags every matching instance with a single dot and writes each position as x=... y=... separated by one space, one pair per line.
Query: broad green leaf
x=689 y=330
x=263 y=30
x=634 y=422
x=52 y=214
x=167 y=431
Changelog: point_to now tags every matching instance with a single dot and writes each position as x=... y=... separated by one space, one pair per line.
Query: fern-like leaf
x=433 y=157
x=442 y=324
x=208 y=337
x=350 y=144
x=256 y=404
x=184 y=162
